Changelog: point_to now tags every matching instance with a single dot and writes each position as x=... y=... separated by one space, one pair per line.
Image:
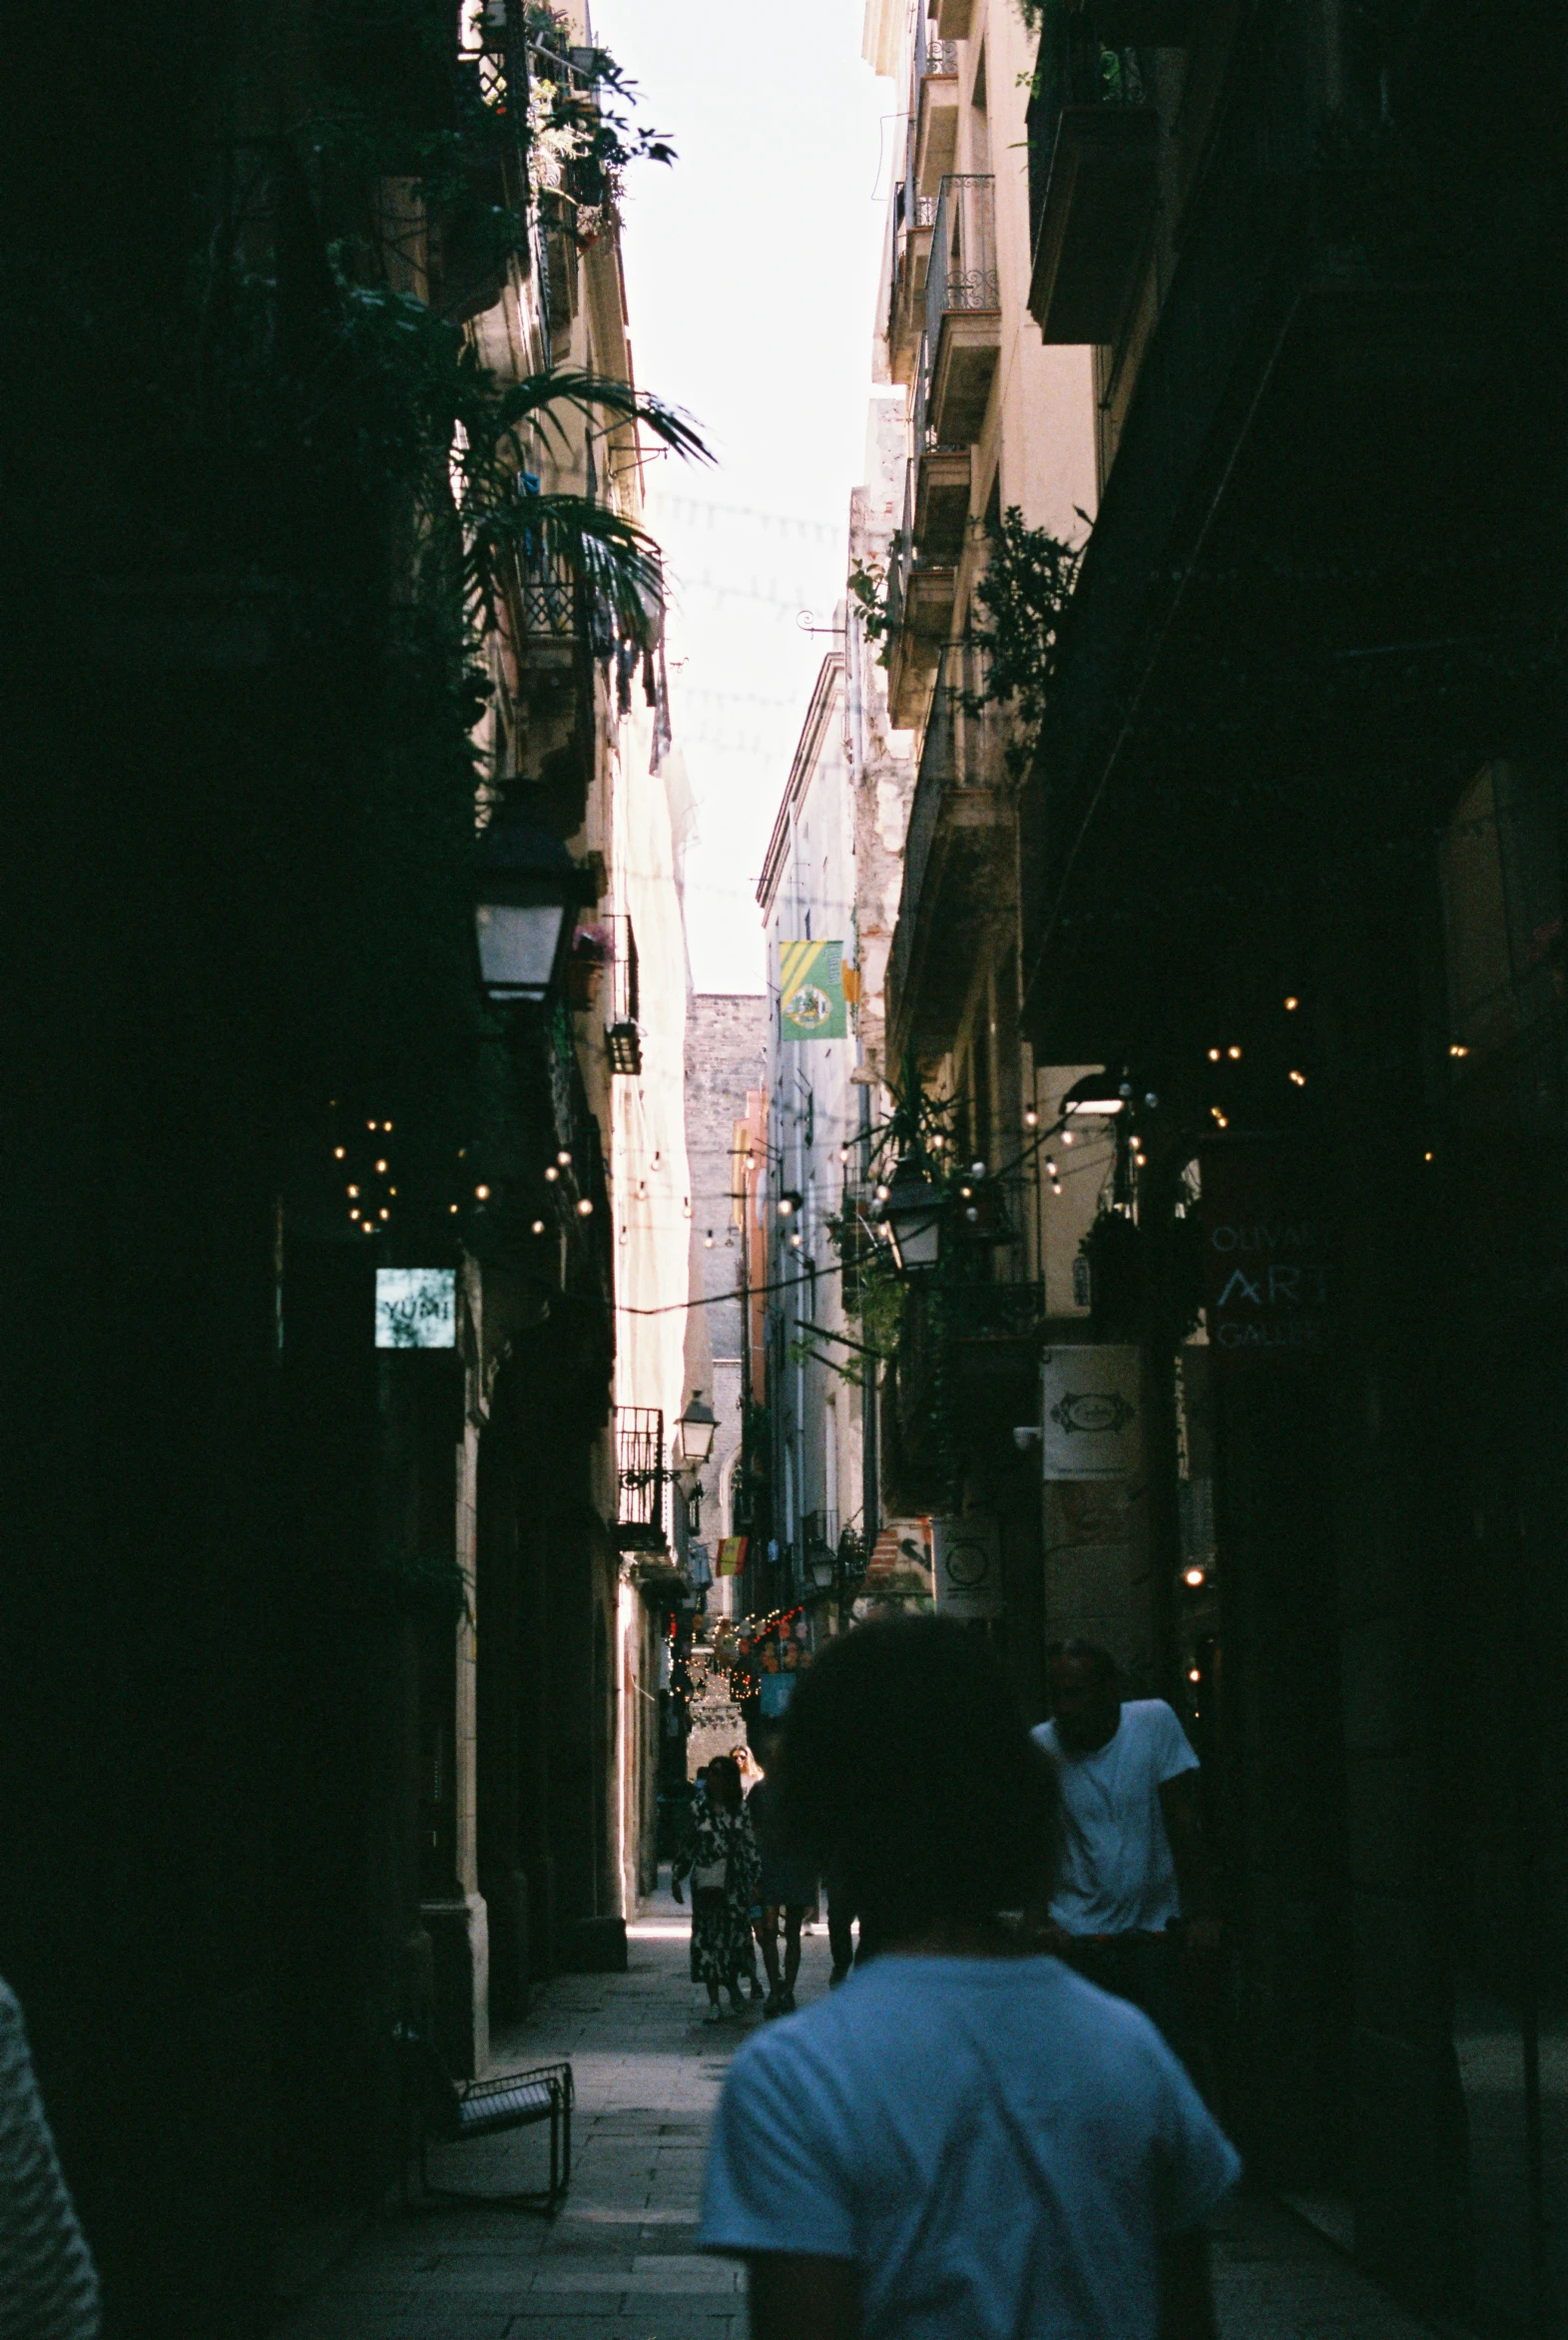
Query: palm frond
x=532 y=399
x=613 y=561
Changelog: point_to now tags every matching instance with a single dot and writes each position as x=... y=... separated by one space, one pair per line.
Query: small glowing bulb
x=708 y=1243
x=539 y=1226
x=966 y=1191
x=1193 y=1577
x=882 y=1193
x=353 y=1214
x=550 y=1173
x=1233 y=1055
x=391 y=1190
x=1068 y=1138
x=795 y=1241
x=1050 y=1167
x=1298 y=1080
x=1140 y=1160
x=1214 y=1055
x=1195 y=1673
x=369 y=1125
x=1291 y=1004
x=971 y=1213
x=452 y=1207
x=1031 y=1118
x=484 y=1192
x=585 y=1209
x=381 y=1169
x=338 y=1152
x=563 y=1157
x=369 y=1230
x=385 y=1214
x=387 y=1125
x=1457 y=1050
x=354 y=1193
x=1056 y=1186
x=1427 y=1157
x=977 y=1169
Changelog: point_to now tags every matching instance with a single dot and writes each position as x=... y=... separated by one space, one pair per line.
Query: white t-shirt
x=1117 y=1876
x=996 y=2145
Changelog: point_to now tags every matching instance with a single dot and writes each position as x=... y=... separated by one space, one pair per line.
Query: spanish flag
x=732 y=1555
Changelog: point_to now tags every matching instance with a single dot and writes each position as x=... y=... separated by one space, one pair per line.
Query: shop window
x=1503 y=907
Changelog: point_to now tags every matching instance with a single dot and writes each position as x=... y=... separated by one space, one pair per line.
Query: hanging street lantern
x=526 y=883
x=694 y=1432
x=912 y=1213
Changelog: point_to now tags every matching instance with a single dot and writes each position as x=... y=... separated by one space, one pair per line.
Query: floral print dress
x=722 y=1932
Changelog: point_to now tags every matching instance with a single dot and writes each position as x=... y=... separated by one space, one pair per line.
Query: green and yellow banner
x=811 y=992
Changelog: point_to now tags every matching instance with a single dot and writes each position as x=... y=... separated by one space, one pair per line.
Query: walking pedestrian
x=720 y=1860
x=48 y=2288
x=967 y=2141
x=1133 y=1887
x=787 y=1886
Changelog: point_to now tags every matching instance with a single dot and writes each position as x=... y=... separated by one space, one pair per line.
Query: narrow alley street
x=619 y=2262
x=785 y=1113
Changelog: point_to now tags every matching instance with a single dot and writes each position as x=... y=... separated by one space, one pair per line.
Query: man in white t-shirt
x=1133 y=1883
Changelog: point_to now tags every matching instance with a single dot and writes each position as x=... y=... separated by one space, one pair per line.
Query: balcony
x=623 y=1031
x=546 y=617
x=933 y=125
x=963 y=319
x=919 y=615
x=1093 y=138
x=913 y=217
x=640 y=1479
x=958 y=865
x=941 y=505
x=1158 y=24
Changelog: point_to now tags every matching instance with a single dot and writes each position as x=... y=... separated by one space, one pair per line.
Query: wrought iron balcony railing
x=641 y=1479
x=931 y=54
x=962 y=272
x=623 y=1030
x=547 y=600
x=963 y=292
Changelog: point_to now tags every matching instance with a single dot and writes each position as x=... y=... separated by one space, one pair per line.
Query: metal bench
x=453 y=2110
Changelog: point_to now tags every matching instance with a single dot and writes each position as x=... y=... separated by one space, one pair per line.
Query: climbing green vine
x=1025 y=592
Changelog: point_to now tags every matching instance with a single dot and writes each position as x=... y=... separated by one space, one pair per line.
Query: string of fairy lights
x=364 y=1163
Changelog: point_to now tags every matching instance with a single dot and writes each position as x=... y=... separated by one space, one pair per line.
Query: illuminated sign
x=416 y=1307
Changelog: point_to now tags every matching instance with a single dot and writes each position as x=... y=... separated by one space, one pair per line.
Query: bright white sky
x=751 y=271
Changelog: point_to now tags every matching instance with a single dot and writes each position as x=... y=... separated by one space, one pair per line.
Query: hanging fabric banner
x=811 y=992
x=732 y=1555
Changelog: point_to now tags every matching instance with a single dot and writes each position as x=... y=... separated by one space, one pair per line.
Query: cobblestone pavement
x=617 y=2263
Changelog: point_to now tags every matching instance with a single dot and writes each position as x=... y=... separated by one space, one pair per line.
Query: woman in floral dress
x=721 y=1860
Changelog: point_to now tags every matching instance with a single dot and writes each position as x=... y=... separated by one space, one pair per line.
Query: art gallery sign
x=1265 y=1260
